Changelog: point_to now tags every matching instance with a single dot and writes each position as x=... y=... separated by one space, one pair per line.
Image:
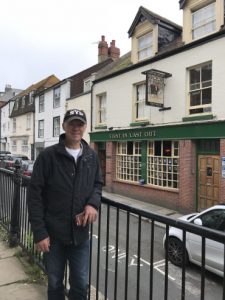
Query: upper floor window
x=31 y=98
x=102 y=109
x=28 y=121
x=56 y=97
x=200 y=89
x=23 y=102
x=145 y=46
x=87 y=85
x=204 y=21
x=140 y=101
x=41 y=103
x=16 y=104
x=14 y=146
x=24 y=146
x=41 y=128
x=14 y=124
x=56 y=126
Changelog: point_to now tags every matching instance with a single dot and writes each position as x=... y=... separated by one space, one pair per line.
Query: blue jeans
x=78 y=259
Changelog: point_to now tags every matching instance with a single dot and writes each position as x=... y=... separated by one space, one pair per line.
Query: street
x=213 y=283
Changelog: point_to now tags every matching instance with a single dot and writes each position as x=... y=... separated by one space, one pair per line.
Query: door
x=208 y=181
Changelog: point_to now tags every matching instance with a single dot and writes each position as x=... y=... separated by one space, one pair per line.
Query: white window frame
x=16 y=104
x=41 y=103
x=202 y=24
x=28 y=121
x=14 y=125
x=14 y=146
x=163 y=164
x=145 y=46
x=56 y=97
x=24 y=146
x=23 y=102
x=56 y=126
x=200 y=88
x=102 y=101
x=128 y=161
x=40 y=128
x=140 y=96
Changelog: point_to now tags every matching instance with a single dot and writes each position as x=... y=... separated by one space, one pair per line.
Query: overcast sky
x=44 y=37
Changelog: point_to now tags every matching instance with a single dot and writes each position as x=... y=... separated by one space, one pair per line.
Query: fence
x=123 y=240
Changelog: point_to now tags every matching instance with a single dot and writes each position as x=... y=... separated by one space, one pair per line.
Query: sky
x=60 y=37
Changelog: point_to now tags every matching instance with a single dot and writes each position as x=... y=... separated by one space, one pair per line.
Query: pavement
x=15 y=282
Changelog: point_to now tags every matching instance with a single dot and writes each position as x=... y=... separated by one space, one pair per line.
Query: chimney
x=113 y=51
x=102 y=50
x=7 y=88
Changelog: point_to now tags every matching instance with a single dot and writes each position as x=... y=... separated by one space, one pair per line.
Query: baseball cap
x=75 y=114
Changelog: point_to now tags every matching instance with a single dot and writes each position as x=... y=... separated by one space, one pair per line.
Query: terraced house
x=21 y=135
x=158 y=112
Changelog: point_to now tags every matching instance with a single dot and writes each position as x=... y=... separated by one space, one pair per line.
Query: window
x=56 y=126
x=14 y=146
x=214 y=219
x=23 y=102
x=14 y=124
x=204 y=21
x=41 y=128
x=163 y=163
x=145 y=46
x=87 y=85
x=25 y=145
x=16 y=104
x=140 y=101
x=41 y=103
x=31 y=98
x=102 y=109
x=128 y=161
x=28 y=121
x=200 y=89
x=56 y=97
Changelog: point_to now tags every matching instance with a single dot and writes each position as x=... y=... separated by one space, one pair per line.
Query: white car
x=214 y=218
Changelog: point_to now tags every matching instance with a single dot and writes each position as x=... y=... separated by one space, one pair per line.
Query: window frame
x=203 y=22
x=41 y=130
x=56 y=97
x=145 y=48
x=56 y=130
x=41 y=103
x=102 y=109
x=200 y=88
x=140 y=102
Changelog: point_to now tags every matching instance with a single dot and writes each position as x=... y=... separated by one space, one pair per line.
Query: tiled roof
x=25 y=94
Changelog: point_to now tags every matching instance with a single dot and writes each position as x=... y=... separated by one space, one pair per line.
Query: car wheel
x=175 y=252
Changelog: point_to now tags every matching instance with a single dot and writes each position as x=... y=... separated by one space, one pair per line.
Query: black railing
x=127 y=258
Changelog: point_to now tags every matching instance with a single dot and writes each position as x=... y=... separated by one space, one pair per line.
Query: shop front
x=177 y=166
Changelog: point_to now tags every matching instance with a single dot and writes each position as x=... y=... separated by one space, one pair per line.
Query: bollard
x=14 y=234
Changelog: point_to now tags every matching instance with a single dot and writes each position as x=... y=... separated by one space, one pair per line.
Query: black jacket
x=59 y=189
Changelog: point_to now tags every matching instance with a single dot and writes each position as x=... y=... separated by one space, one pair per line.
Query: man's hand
x=88 y=216
x=43 y=246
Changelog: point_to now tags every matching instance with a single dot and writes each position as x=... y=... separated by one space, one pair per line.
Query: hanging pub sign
x=155 y=83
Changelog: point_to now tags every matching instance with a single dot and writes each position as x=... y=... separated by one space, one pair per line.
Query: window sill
x=101 y=127
x=196 y=118
x=139 y=123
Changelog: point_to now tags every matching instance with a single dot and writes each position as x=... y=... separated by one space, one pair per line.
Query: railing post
x=14 y=224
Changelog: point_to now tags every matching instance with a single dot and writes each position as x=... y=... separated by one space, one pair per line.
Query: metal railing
x=127 y=259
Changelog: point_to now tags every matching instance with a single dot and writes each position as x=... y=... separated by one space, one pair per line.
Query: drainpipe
x=92 y=87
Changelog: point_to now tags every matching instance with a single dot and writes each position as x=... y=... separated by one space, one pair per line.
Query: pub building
x=158 y=113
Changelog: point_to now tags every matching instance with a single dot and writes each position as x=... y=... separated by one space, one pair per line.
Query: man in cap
x=64 y=195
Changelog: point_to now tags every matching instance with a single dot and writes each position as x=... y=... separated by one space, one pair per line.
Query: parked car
x=28 y=168
x=214 y=218
x=3 y=154
x=9 y=161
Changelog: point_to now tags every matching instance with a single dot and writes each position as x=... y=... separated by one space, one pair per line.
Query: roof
x=37 y=87
x=121 y=63
x=182 y=3
x=77 y=80
x=152 y=18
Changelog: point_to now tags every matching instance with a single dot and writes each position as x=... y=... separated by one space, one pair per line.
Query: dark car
x=3 y=153
x=9 y=161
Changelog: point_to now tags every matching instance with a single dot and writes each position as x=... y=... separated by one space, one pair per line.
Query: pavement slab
x=23 y=291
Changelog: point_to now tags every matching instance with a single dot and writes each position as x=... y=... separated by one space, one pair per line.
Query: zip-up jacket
x=58 y=191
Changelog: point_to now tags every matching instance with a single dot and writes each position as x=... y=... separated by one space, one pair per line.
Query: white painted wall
x=49 y=113
x=119 y=89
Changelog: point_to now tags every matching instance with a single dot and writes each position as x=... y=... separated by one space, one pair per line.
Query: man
x=63 y=198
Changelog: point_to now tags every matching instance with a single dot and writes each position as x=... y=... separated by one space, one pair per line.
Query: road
x=213 y=283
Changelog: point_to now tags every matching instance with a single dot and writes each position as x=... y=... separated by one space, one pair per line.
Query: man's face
x=74 y=130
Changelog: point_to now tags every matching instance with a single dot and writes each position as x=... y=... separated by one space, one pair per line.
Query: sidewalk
x=14 y=280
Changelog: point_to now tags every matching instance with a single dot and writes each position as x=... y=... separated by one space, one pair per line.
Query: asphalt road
x=139 y=289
